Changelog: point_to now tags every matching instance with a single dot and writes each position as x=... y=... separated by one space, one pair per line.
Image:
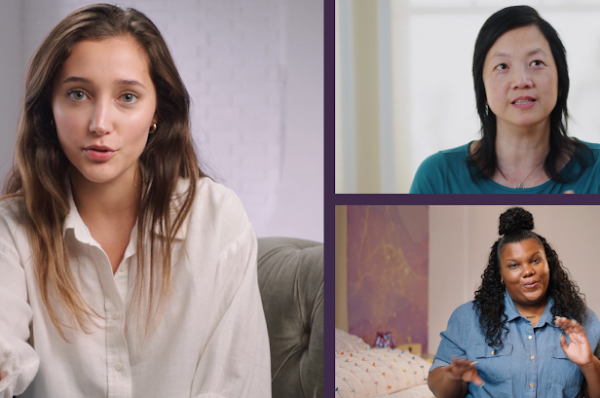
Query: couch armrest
x=290 y=278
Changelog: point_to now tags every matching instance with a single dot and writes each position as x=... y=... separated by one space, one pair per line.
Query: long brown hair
x=38 y=177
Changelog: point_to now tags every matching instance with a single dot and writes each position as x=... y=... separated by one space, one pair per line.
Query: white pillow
x=345 y=342
x=377 y=371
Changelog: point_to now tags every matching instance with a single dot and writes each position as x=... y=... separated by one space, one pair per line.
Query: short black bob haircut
x=483 y=162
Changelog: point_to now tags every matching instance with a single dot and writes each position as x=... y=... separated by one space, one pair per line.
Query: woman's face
x=520 y=79
x=104 y=102
x=525 y=272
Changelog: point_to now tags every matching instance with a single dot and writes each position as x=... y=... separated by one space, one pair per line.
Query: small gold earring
x=153 y=128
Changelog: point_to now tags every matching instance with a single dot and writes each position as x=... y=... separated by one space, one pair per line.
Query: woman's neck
x=118 y=199
x=109 y=210
x=522 y=149
x=532 y=312
x=521 y=153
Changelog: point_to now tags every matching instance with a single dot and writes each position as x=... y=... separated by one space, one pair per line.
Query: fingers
x=572 y=328
x=570 y=191
x=563 y=343
x=578 y=350
x=566 y=324
x=463 y=369
x=459 y=366
x=472 y=376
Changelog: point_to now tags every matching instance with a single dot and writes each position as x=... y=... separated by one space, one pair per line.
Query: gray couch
x=290 y=278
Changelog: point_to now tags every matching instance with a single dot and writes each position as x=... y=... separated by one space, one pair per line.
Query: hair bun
x=514 y=219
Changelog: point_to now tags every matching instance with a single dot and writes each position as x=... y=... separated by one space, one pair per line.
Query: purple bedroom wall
x=387 y=249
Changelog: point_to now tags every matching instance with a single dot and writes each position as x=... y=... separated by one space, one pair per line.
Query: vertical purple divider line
x=329 y=200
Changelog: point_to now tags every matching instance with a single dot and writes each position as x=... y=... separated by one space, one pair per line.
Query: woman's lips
x=99 y=155
x=523 y=103
x=531 y=285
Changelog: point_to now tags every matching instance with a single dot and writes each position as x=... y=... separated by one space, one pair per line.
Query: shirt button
x=116 y=315
x=530 y=337
x=531 y=385
x=532 y=357
x=119 y=366
x=493 y=352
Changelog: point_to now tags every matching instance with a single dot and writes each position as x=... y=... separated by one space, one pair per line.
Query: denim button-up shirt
x=531 y=364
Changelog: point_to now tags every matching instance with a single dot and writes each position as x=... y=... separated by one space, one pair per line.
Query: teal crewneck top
x=447 y=172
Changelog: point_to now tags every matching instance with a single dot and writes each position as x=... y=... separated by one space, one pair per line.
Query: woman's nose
x=528 y=270
x=522 y=78
x=101 y=119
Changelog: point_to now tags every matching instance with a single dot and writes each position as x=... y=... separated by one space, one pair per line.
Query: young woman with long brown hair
x=124 y=270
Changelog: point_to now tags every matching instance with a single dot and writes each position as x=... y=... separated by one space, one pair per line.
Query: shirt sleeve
x=429 y=177
x=236 y=361
x=592 y=330
x=451 y=344
x=18 y=361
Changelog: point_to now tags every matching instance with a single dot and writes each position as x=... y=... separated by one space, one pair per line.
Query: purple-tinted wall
x=388 y=272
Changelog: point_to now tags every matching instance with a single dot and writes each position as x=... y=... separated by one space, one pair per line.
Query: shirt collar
x=73 y=220
x=511 y=311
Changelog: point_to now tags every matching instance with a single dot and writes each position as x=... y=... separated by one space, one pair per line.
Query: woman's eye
x=77 y=95
x=537 y=62
x=535 y=260
x=501 y=66
x=129 y=98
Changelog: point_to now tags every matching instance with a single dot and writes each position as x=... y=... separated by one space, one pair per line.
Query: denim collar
x=511 y=311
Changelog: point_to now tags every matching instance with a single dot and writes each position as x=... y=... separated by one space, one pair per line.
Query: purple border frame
x=332 y=199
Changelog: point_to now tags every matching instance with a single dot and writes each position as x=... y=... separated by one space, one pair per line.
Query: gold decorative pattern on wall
x=387 y=269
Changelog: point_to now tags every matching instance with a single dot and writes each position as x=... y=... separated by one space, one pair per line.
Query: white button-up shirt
x=211 y=341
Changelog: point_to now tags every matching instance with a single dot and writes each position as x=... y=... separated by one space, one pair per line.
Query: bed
x=364 y=371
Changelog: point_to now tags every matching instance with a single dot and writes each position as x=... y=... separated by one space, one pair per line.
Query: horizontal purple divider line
x=465 y=199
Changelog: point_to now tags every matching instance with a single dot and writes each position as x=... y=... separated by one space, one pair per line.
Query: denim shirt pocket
x=565 y=372
x=495 y=364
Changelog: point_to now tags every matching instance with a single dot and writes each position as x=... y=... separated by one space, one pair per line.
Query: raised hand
x=463 y=369
x=579 y=350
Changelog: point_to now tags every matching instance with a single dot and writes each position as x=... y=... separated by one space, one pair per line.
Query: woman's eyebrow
x=76 y=79
x=530 y=53
x=120 y=82
x=535 y=51
x=499 y=55
x=127 y=82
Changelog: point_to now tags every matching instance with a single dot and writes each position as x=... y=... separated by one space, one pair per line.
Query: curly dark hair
x=515 y=226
